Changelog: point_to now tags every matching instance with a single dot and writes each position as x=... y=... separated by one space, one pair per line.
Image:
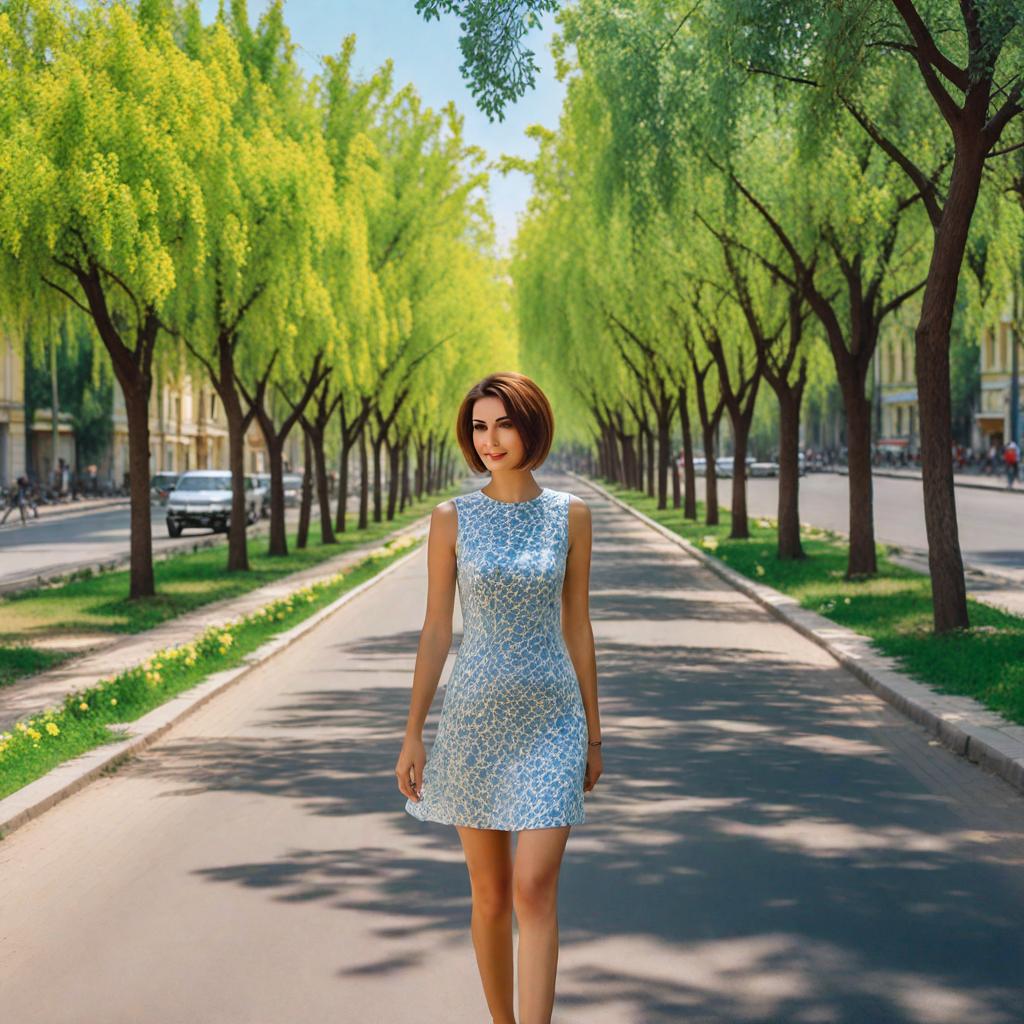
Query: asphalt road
x=769 y=842
x=991 y=524
x=64 y=541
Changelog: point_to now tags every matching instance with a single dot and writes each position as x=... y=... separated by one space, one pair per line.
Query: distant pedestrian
x=1011 y=457
x=21 y=500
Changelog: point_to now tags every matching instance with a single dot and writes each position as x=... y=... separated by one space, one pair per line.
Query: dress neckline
x=528 y=501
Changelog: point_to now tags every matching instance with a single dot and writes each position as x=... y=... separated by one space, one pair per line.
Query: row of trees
x=742 y=194
x=318 y=249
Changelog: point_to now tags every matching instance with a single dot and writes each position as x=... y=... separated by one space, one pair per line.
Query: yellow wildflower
x=83 y=706
x=52 y=728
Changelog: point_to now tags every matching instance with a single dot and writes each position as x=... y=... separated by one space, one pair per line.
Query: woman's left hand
x=594 y=766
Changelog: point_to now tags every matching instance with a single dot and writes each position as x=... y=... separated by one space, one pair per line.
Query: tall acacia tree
x=103 y=204
x=269 y=192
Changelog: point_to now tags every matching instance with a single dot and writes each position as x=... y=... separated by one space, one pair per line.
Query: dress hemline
x=499 y=828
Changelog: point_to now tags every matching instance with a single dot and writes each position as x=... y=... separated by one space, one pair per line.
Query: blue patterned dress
x=511 y=745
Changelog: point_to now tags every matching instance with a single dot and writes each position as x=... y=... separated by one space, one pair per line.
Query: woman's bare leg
x=489 y=860
x=538 y=860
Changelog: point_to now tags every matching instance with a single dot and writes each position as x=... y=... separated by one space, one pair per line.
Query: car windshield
x=292 y=480
x=204 y=483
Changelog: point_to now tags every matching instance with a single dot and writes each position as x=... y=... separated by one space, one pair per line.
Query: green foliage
x=495 y=60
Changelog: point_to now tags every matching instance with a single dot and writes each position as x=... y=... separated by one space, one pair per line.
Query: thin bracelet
x=597 y=744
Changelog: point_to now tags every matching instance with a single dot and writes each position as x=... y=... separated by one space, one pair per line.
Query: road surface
x=770 y=842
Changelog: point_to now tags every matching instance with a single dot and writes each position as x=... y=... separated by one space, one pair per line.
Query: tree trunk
x=278 y=546
x=341 y=516
x=689 y=479
x=306 y=500
x=931 y=346
x=790 y=546
x=136 y=403
x=711 y=517
x=862 y=558
x=323 y=498
x=230 y=400
x=394 y=452
x=740 y=527
x=377 y=443
x=364 y=481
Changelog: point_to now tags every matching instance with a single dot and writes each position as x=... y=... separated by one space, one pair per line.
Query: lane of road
x=991 y=525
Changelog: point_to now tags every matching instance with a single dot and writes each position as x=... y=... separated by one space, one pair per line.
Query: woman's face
x=496 y=439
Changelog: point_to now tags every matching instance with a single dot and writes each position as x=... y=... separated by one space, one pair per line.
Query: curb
x=956 y=482
x=962 y=724
x=32 y=800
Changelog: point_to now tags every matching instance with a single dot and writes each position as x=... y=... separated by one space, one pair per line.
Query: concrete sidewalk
x=769 y=842
x=976 y=481
x=27 y=696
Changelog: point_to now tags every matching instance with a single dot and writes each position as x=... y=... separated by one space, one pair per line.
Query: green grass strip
x=57 y=734
x=20 y=660
x=100 y=604
x=893 y=609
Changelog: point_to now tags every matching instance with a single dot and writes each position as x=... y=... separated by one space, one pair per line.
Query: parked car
x=202 y=497
x=293 y=489
x=161 y=486
x=769 y=468
x=724 y=463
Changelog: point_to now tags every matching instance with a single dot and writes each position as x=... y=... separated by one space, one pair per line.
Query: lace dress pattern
x=510 y=750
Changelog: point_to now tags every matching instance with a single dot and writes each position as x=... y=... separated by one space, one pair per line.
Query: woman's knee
x=534 y=894
x=492 y=895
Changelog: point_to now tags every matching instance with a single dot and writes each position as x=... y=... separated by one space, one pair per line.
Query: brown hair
x=525 y=405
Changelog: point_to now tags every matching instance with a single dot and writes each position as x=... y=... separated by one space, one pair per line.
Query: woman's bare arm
x=576 y=627
x=436 y=635
x=435 y=642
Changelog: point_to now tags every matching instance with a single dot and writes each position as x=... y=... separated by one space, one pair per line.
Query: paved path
x=769 y=843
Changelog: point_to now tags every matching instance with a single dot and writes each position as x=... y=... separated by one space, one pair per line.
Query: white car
x=724 y=464
x=202 y=497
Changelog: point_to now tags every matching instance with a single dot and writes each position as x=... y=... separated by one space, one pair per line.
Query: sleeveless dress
x=511 y=745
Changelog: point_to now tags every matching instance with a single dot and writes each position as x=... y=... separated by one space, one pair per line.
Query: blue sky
x=427 y=54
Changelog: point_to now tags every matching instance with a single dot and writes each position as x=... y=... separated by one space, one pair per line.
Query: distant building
x=992 y=418
x=188 y=430
x=897 y=423
x=12 y=413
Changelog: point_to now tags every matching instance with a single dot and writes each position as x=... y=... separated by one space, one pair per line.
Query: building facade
x=896 y=409
x=188 y=430
x=12 y=413
x=993 y=419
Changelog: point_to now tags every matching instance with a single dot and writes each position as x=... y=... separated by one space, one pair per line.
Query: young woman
x=519 y=737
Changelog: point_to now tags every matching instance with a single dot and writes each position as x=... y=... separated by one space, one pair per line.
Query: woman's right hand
x=409 y=769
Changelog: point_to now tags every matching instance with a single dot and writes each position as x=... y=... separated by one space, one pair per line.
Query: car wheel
x=173 y=529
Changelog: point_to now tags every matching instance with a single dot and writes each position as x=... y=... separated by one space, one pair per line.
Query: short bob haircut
x=525 y=405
